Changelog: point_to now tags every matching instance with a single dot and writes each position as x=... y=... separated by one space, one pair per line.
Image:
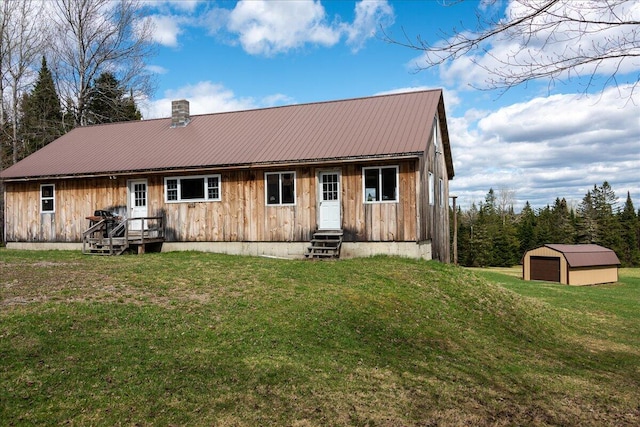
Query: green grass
x=205 y=339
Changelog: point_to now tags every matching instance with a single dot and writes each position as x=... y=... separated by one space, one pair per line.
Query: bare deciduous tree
x=96 y=36
x=545 y=39
x=506 y=200
x=21 y=42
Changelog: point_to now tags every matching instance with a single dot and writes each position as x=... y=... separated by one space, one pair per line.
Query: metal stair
x=325 y=244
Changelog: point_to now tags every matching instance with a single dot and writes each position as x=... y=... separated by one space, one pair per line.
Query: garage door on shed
x=545 y=268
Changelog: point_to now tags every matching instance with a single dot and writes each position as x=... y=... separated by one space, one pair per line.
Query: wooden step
x=325 y=244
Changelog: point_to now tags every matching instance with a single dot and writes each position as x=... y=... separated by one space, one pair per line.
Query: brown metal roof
x=586 y=255
x=380 y=126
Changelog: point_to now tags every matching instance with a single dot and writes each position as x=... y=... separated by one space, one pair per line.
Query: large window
x=47 y=198
x=192 y=188
x=281 y=188
x=380 y=184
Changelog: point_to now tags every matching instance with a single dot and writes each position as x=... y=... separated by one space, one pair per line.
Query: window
x=432 y=188
x=435 y=132
x=47 y=198
x=281 y=189
x=192 y=188
x=380 y=184
x=441 y=192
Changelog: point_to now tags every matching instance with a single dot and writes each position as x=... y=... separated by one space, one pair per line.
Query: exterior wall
x=593 y=275
x=434 y=218
x=75 y=199
x=241 y=216
x=544 y=252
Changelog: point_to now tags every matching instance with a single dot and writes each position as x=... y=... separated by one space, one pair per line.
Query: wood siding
x=241 y=215
x=433 y=218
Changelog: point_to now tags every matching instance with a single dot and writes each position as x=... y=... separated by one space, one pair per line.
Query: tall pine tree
x=630 y=234
x=109 y=102
x=41 y=115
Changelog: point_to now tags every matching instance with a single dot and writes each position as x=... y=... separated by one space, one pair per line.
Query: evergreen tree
x=41 y=115
x=604 y=199
x=543 y=232
x=466 y=236
x=108 y=102
x=587 y=224
x=630 y=234
x=526 y=229
x=562 y=223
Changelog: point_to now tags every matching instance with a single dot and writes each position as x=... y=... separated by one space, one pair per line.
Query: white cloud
x=204 y=98
x=370 y=15
x=548 y=147
x=166 y=29
x=270 y=27
x=157 y=69
x=207 y=97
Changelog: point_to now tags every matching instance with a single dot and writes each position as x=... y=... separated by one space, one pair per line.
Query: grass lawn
x=206 y=339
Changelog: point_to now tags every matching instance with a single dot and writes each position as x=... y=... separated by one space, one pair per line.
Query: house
x=571 y=264
x=374 y=171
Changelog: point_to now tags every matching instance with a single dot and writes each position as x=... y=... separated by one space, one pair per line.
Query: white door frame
x=329 y=210
x=137 y=203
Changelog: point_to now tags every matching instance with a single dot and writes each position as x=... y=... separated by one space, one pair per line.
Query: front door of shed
x=137 y=203
x=329 y=201
x=545 y=268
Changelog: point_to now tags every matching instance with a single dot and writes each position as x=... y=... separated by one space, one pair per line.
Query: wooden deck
x=114 y=237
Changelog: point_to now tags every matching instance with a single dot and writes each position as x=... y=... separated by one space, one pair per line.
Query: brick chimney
x=180 y=113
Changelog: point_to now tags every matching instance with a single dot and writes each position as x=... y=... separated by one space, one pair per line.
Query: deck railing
x=136 y=231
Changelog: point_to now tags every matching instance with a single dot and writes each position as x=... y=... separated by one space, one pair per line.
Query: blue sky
x=541 y=140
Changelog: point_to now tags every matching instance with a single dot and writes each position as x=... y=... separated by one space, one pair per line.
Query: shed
x=571 y=264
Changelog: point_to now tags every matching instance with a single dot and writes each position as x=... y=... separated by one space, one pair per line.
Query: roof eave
x=221 y=167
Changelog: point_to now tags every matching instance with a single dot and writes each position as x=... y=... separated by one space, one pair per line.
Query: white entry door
x=329 y=201
x=137 y=203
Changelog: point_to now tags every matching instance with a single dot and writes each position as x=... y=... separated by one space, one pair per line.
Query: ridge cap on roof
x=565 y=247
x=303 y=104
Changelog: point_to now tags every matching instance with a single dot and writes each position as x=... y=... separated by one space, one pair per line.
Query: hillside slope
x=203 y=339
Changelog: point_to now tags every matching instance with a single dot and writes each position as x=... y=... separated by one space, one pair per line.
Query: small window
x=192 y=189
x=47 y=198
x=432 y=188
x=441 y=192
x=280 y=189
x=380 y=184
x=435 y=132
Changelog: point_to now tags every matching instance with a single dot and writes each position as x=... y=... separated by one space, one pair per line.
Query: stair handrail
x=95 y=227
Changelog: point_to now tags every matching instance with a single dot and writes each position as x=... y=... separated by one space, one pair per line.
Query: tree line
x=492 y=234
x=68 y=63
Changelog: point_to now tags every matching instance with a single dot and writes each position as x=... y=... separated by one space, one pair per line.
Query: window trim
x=266 y=188
x=206 y=188
x=379 y=168
x=52 y=198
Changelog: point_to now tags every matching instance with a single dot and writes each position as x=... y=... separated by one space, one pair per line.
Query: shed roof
x=373 y=127
x=586 y=255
